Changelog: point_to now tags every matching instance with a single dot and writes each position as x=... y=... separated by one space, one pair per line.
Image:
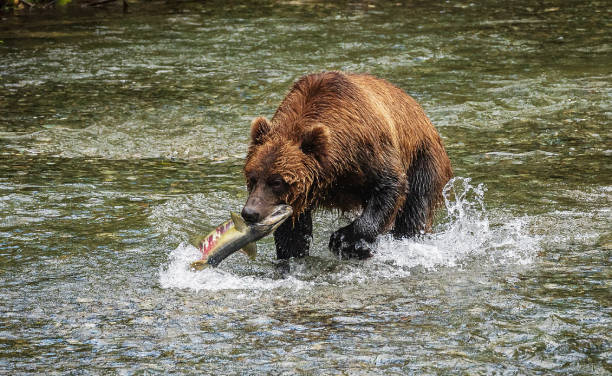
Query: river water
x=123 y=135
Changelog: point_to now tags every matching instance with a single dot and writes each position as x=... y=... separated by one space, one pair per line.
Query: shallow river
x=123 y=135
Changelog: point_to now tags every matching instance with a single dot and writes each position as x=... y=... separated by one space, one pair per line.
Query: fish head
x=270 y=223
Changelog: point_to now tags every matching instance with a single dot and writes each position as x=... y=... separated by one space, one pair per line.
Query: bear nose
x=250 y=215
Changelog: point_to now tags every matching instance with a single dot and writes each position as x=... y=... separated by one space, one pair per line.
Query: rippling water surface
x=123 y=135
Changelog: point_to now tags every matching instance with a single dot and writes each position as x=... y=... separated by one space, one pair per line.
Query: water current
x=123 y=135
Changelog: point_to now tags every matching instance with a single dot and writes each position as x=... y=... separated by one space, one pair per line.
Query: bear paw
x=345 y=244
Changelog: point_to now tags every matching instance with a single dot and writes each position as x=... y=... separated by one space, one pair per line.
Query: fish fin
x=238 y=222
x=199 y=265
x=250 y=250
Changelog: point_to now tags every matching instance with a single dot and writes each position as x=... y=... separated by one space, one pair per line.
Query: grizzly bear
x=351 y=142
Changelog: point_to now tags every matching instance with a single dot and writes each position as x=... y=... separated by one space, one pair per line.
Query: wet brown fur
x=336 y=134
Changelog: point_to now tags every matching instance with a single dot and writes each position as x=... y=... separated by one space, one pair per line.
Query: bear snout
x=250 y=215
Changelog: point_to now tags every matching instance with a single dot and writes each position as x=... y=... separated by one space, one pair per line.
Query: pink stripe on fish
x=209 y=243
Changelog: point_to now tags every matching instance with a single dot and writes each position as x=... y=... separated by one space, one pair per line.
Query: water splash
x=178 y=274
x=467 y=235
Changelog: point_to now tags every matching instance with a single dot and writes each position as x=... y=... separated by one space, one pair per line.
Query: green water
x=123 y=135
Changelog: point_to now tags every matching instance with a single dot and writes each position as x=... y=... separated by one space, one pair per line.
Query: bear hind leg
x=424 y=193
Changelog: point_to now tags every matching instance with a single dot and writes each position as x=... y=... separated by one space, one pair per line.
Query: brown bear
x=351 y=142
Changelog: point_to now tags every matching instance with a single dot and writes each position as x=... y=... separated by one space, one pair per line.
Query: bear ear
x=259 y=129
x=315 y=140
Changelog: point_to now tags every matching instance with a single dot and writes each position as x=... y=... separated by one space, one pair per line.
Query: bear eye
x=276 y=182
x=251 y=183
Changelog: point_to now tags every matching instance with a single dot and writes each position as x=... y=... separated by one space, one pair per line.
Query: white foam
x=178 y=274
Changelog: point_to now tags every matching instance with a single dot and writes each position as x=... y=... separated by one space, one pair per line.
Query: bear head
x=283 y=166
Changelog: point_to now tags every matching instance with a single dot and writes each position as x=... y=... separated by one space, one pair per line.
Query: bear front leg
x=355 y=240
x=293 y=237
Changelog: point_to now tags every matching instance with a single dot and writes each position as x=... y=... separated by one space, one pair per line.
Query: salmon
x=235 y=234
